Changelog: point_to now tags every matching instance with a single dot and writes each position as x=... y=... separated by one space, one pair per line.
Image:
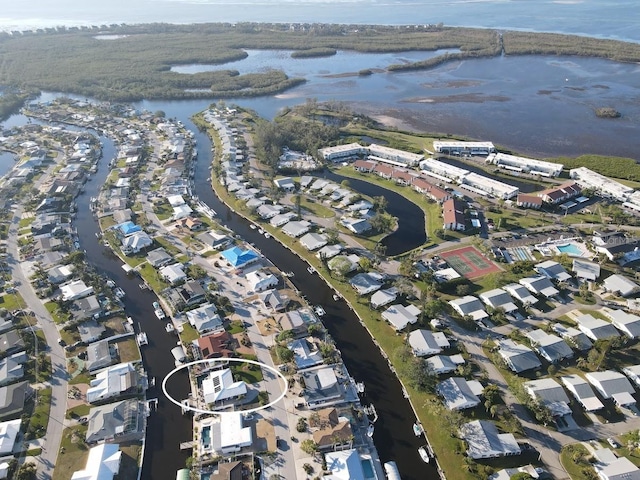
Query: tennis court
x=469 y=262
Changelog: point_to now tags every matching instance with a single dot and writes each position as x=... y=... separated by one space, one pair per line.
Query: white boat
x=119 y=292
x=260 y=231
x=391 y=469
x=370 y=429
x=319 y=310
x=424 y=454
x=417 y=429
x=336 y=297
x=170 y=328
x=252 y=226
x=311 y=270
x=289 y=274
x=360 y=387
x=141 y=339
x=159 y=313
x=267 y=235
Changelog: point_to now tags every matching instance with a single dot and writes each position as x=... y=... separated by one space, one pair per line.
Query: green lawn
x=11 y=301
x=188 y=334
x=78 y=411
x=249 y=372
x=58 y=316
x=574 y=459
x=25 y=222
x=163 y=211
x=235 y=327
x=40 y=417
x=316 y=207
x=73 y=452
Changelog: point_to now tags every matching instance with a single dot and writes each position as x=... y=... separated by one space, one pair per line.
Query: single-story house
x=484 y=441
x=215 y=239
x=582 y=392
x=460 y=394
x=98 y=355
x=173 y=273
x=12 y=399
x=585 y=270
x=595 y=328
x=329 y=251
x=260 y=280
x=620 y=285
x=305 y=353
x=365 y=283
x=520 y=293
x=469 y=305
x=498 y=298
x=287 y=184
x=75 y=290
x=12 y=367
x=272 y=300
x=215 y=345
x=550 y=347
x=424 y=343
x=400 y=316
x=116 y=422
x=205 y=319
x=103 y=463
x=553 y=271
x=539 y=286
x=238 y=258
x=11 y=341
x=60 y=273
x=627 y=323
x=9 y=431
x=296 y=228
x=313 y=241
x=383 y=297
x=136 y=242
x=573 y=336
x=441 y=364
x=611 y=384
x=159 y=257
x=550 y=394
x=91 y=330
x=518 y=357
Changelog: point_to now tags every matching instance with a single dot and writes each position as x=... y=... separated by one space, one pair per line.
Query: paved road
x=58 y=382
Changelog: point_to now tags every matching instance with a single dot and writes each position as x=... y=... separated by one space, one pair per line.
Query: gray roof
x=578 y=339
x=115 y=419
x=625 y=322
x=12 y=400
x=159 y=257
x=321 y=384
x=609 y=383
x=582 y=392
x=547 y=390
x=457 y=393
x=553 y=270
x=519 y=292
x=98 y=355
x=364 y=283
x=595 y=328
x=539 y=284
x=90 y=330
x=551 y=347
x=498 y=298
x=484 y=441
x=585 y=269
x=518 y=357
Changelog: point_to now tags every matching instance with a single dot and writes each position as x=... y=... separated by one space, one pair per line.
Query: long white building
x=486 y=185
x=526 y=165
x=455 y=147
x=441 y=170
x=376 y=152
x=338 y=152
x=605 y=186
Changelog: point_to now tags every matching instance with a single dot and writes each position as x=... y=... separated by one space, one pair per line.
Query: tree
x=407 y=266
x=27 y=471
x=462 y=290
x=404 y=287
x=297 y=202
x=380 y=204
x=379 y=251
x=521 y=476
x=365 y=264
x=309 y=447
x=284 y=354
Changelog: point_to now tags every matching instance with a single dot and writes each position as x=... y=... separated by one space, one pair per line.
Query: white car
x=613 y=443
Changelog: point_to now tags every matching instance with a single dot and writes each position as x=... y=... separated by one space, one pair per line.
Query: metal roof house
x=550 y=347
x=469 y=305
x=520 y=293
x=586 y=270
x=498 y=298
x=460 y=394
x=596 y=329
x=484 y=441
x=620 y=285
x=553 y=271
x=400 y=316
x=539 y=286
x=551 y=394
x=611 y=384
x=575 y=337
x=627 y=323
x=440 y=364
x=582 y=392
x=518 y=357
x=424 y=342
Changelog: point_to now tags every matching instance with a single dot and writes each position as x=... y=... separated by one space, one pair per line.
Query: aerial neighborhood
x=128 y=295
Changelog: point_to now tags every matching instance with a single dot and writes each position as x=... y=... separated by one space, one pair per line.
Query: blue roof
x=127 y=228
x=238 y=257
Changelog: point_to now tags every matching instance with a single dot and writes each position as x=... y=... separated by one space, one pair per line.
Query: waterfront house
x=12 y=400
x=329 y=251
x=424 y=342
x=327 y=385
x=75 y=290
x=595 y=328
x=459 y=394
x=188 y=294
x=229 y=471
x=306 y=353
x=383 y=297
x=282 y=219
x=358 y=226
x=612 y=384
x=518 y=357
x=298 y=321
x=214 y=239
x=9 y=431
x=219 y=385
x=441 y=364
x=224 y=434
x=112 y=382
x=366 y=283
x=332 y=429
x=239 y=258
x=127 y=228
x=484 y=440
x=87 y=307
x=550 y=347
x=272 y=300
x=103 y=463
x=344 y=264
x=582 y=392
x=400 y=316
x=347 y=465
x=122 y=421
x=296 y=228
x=205 y=319
x=313 y=241
x=159 y=257
x=620 y=285
x=12 y=367
x=91 y=331
x=173 y=274
x=60 y=273
x=215 y=345
x=136 y=242
x=260 y=280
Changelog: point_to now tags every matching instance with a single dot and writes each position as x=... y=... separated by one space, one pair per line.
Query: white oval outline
x=221 y=360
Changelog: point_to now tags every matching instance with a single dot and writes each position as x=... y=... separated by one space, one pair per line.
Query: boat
x=319 y=310
x=267 y=235
x=360 y=387
x=391 y=469
x=119 y=292
x=156 y=305
x=288 y=274
x=252 y=226
x=141 y=339
x=260 y=231
x=417 y=429
x=424 y=454
x=311 y=270
x=170 y=328
x=159 y=313
x=336 y=297
x=370 y=429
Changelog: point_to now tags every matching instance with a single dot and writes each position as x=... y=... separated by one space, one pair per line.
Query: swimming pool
x=367 y=468
x=570 y=249
x=206 y=438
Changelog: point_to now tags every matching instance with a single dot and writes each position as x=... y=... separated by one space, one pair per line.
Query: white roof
x=498 y=298
x=232 y=431
x=103 y=463
x=582 y=391
x=344 y=465
x=484 y=441
x=400 y=316
x=175 y=200
x=383 y=297
x=585 y=269
x=74 y=290
x=219 y=385
x=173 y=273
x=547 y=390
x=424 y=343
x=596 y=328
x=8 y=433
x=469 y=305
x=620 y=284
x=459 y=394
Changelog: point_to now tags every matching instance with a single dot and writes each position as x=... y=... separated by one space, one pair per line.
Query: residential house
x=539 y=286
x=345 y=465
x=136 y=242
x=98 y=355
x=620 y=285
x=313 y=241
x=553 y=271
x=116 y=422
x=453 y=214
x=610 y=467
x=585 y=270
x=596 y=329
x=12 y=367
x=228 y=434
x=330 y=429
x=520 y=293
x=518 y=357
x=282 y=219
x=498 y=298
x=173 y=273
x=550 y=394
x=424 y=343
x=400 y=316
x=205 y=319
x=617 y=247
x=272 y=300
x=60 y=273
x=75 y=290
x=215 y=239
x=611 y=384
x=329 y=251
x=305 y=353
x=484 y=440
x=186 y=295
x=91 y=331
x=12 y=400
x=459 y=394
x=219 y=385
x=215 y=345
x=358 y=226
x=296 y=228
x=9 y=431
x=442 y=364
x=560 y=193
x=112 y=382
x=469 y=305
x=326 y=385
x=366 y=282
x=298 y=321
x=159 y=258
x=267 y=212
x=573 y=336
x=260 y=280
x=582 y=392
x=525 y=200
x=344 y=264
x=550 y=347
x=86 y=307
x=239 y=258
x=103 y=463
x=627 y=323
x=10 y=342
x=383 y=297
x=286 y=183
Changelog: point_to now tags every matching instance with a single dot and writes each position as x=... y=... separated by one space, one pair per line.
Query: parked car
x=613 y=442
